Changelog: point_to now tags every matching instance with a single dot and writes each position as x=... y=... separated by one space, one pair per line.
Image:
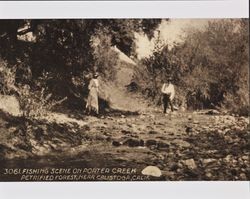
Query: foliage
x=65 y=49
x=38 y=101
x=7 y=78
x=221 y=50
x=105 y=58
x=122 y=31
x=154 y=70
x=68 y=52
x=34 y=102
x=210 y=66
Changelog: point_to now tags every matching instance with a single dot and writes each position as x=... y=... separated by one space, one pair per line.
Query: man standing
x=168 y=94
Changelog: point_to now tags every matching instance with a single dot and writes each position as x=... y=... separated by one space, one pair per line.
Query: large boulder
x=10 y=104
x=152 y=171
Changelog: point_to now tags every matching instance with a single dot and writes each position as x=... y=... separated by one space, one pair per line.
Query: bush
x=7 y=78
x=37 y=101
x=105 y=58
x=237 y=104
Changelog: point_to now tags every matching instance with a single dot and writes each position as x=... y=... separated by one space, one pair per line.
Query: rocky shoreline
x=183 y=145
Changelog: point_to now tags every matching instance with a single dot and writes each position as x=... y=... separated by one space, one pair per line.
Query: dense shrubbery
x=210 y=66
x=7 y=78
x=34 y=101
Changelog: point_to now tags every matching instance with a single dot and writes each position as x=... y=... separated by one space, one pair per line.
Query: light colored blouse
x=168 y=89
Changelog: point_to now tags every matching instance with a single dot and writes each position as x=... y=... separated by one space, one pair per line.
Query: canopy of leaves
x=65 y=49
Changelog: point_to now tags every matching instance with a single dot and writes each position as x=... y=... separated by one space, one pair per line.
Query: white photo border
x=125 y=9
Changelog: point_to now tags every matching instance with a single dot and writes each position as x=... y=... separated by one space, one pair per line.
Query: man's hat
x=169 y=78
x=96 y=74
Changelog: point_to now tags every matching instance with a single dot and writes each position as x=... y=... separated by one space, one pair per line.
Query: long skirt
x=92 y=101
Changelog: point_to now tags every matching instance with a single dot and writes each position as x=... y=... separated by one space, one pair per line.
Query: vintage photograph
x=124 y=100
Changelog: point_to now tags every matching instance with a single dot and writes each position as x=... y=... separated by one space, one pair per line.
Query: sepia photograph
x=145 y=99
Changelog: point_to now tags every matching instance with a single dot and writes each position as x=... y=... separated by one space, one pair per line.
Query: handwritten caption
x=76 y=174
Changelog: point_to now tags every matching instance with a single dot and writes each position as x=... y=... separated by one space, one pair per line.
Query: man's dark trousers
x=166 y=100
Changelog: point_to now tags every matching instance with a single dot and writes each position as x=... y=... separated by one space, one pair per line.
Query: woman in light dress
x=92 y=101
